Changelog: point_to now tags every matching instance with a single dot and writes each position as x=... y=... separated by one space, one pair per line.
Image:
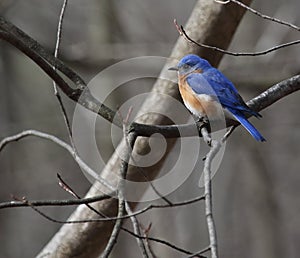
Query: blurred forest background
x=256 y=191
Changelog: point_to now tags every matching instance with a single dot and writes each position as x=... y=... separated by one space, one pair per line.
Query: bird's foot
x=203 y=122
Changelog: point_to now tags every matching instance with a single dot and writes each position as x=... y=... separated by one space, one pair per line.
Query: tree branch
x=37 y=203
x=56 y=92
x=266 y=17
x=136 y=228
x=46 y=62
x=183 y=33
x=215 y=147
x=61 y=143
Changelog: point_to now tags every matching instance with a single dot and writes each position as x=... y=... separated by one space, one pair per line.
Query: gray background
x=256 y=189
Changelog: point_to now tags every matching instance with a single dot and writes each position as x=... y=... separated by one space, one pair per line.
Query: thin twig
x=121 y=194
x=183 y=33
x=228 y=133
x=58 y=39
x=266 y=17
x=32 y=204
x=69 y=190
x=14 y=204
x=214 y=148
x=157 y=240
x=56 y=92
x=136 y=228
x=130 y=214
x=74 y=202
x=199 y=252
x=146 y=234
x=61 y=143
x=164 y=242
x=135 y=223
x=129 y=149
x=66 y=187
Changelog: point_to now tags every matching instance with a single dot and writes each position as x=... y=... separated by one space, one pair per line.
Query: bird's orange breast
x=199 y=104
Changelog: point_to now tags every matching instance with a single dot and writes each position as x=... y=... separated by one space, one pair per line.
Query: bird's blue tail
x=249 y=127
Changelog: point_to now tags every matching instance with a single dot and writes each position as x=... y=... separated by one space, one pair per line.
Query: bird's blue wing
x=214 y=83
x=225 y=90
x=200 y=85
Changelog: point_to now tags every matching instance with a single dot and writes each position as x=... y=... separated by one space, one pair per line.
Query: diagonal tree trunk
x=210 y=23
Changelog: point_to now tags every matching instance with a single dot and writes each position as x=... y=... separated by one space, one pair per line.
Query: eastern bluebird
x=208 y=94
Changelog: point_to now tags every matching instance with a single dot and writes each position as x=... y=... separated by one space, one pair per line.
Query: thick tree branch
x=47 y=61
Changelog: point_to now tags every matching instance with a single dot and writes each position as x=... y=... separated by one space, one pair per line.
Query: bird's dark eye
x=186 y=67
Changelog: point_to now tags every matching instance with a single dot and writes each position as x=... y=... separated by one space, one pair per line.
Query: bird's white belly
x=206 y=106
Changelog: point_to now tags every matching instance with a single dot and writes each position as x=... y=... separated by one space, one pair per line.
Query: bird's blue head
x=190 y=63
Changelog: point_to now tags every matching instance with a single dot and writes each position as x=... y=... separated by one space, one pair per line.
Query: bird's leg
x=202 y=122
x=202 y=119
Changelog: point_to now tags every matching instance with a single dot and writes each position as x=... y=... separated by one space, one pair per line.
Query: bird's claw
x=203 y=122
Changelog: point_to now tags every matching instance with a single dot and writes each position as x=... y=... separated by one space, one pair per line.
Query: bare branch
x=273 y=19
x=164 y=242
x=14 y=204
x=215 y=147
x=46 y=61
x=147 y=243
x=125 y=122
x=131 y=138
x=32 y=204
x=199 y=252
x=69 y=190
x=136 y=228
x=56 y=92
x=183 y=33
x=61 y=143
x=66 y=187
x=58 y=35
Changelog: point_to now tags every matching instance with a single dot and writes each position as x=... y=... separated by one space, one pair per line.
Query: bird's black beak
x=173 y=69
